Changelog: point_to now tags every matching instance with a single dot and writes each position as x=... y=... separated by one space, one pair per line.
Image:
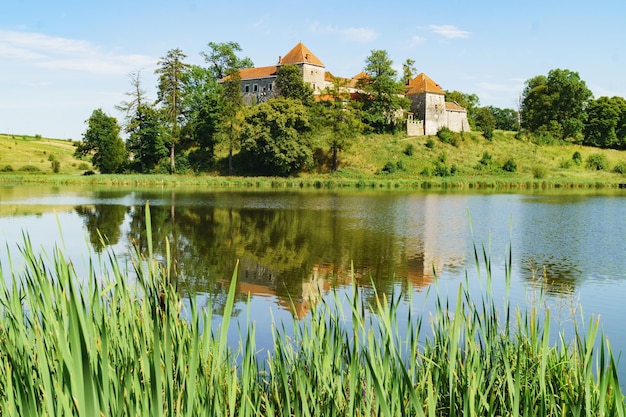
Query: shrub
x=56 y=166
x=620 y=168
x=29 y=168
x=389 y=168
x=539 y=172
x=83 y=166
x=430 y=143
x=6 y=168
x=510 y=165
x=577 y=158
x=409 y=150
x=486 y=159
x=51 y=157
x=445 y=135
x=597 y=162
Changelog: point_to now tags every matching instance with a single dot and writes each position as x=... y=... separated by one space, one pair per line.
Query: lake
x=294 y=248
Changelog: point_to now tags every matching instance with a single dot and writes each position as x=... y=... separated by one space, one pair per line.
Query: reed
x=97 y=345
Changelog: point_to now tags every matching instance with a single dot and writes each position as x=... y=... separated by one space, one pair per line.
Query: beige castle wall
x=314 y=76
x=457 y=121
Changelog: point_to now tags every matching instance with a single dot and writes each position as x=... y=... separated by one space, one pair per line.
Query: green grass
x=361 y=165
x=18 y=153
x=101 y=346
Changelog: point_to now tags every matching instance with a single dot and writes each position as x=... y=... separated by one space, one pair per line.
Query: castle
x=429 y=111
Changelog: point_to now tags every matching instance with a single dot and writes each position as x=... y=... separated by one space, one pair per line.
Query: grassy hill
x=459 y=159
x=28 y=154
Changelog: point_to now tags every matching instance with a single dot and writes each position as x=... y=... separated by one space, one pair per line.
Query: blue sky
x=61 y=59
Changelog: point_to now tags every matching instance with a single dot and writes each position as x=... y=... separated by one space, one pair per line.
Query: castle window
x=255 y=88
x=269 y=87
x=247 y=89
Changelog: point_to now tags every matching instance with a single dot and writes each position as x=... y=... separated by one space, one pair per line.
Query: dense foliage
x=102 y=141
x=556 y=104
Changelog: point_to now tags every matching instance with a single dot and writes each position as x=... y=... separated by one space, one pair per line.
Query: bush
x=6 y=168
x=577 y=158
x=29 y=168
x=51 y=157
x=56 y=166
x=430 y=143
x=597 y=162
x=445 y=135
x=539 y=172
x=409 y=150
x=620 y=168
x=83 y=166
x=391 y=168
x=510 y=166
x=486 y=159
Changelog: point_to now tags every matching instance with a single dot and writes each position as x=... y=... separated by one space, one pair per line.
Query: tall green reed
x=89 y=346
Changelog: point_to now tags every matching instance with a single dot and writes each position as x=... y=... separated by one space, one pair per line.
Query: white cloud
x=67 y=54
x=449 y=31
x=364 y=35
x=416 y=40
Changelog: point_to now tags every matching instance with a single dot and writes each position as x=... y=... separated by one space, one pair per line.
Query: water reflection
x=292 y=248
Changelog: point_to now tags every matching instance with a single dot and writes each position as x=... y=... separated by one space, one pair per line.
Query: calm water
x=291 y=245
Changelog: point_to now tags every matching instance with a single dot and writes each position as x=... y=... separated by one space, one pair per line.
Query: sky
x=62 y=59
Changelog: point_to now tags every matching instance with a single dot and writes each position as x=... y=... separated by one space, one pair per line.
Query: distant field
x=26 y=154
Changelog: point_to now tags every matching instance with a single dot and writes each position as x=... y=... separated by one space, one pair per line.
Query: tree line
x=199 y=108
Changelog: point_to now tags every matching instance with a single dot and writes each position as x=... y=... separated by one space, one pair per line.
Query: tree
x=339 y=118
x=506 y=119
x=382 y=95
x=485 y=121
x=275 y=138
x=202 y=109
x=137 y=98
x=556 y=104
x=606 y=123
x=170 y=95
x=223 y=60
x=102 y=140
x=290 y=84
x=408 y=70
x=146 y=142
x=232 y=114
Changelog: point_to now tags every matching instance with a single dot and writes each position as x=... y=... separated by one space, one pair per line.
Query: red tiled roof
x=259 y=72
x=453 y=105
x=423 y=84
x=300 y=54
x=361 y=75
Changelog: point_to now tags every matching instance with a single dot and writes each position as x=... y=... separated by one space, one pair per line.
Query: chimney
x=280 y=58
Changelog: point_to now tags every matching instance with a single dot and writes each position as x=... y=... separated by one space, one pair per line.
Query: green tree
x=275 y=137
x=290 y=84
x=171 y=69
x=146 y=142
x=202 y=109
x=408 y=70
x=506 y=119
x=102 y=141
x=339 y=118
x=556 y=104
x=223 y=60
x=485 y=121
x=382 y=95
x=606 y=123
x=232 y=114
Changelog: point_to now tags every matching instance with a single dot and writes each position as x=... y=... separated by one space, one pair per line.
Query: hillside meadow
x=460 y=161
